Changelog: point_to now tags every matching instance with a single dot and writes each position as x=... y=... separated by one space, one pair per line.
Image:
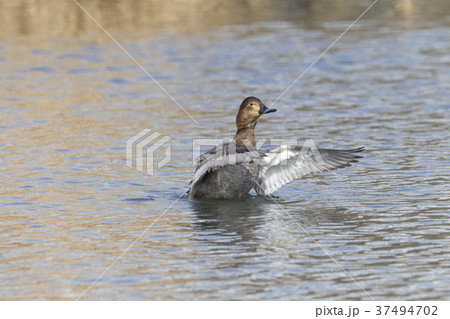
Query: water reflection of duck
x=231 y=170
x=237 y=220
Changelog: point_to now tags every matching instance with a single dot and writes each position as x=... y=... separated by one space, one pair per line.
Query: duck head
x=250 y=111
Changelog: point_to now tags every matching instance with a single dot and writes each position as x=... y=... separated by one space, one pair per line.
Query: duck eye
x=251 y=104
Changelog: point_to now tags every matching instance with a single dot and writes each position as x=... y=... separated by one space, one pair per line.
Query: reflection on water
x=54 y=18
x=70 y=99
x=239 y=219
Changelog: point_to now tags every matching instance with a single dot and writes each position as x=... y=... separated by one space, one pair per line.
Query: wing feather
x=286 y=163
x=224 y=155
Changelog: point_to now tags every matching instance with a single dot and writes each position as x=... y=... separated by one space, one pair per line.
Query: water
x=71 y=98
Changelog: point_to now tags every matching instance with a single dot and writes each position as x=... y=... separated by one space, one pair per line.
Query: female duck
x=231 y=170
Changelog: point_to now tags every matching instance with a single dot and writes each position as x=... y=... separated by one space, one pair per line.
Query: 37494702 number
x=403 y=310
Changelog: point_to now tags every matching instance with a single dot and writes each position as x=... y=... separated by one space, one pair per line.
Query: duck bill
x=264 y=109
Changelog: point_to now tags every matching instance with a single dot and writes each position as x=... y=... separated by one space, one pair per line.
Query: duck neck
x=245 y=135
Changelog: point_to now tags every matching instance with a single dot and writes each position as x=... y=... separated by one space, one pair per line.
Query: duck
x=232 y=169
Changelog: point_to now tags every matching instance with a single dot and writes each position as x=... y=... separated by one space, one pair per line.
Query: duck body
x=229 y=182
x=231 y=170
x=226 y=171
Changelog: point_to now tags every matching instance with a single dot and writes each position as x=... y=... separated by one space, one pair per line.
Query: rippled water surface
x=71 y=98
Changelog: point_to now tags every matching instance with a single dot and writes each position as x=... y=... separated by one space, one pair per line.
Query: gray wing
x=224 y=155
x=286 y=163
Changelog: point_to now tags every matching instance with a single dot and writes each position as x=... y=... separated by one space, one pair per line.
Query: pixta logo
x=141 y=150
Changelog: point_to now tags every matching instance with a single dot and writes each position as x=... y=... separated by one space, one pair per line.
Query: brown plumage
x=250 y=111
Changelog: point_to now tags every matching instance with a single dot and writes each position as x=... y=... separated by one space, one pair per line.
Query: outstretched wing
x=286 y=163
x=224 y=155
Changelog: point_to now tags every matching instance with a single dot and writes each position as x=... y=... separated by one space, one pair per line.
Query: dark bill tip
x=264 y=109
x=270 y=111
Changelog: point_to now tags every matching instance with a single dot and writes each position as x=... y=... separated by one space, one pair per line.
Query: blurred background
x=53 y=18
x=70 y=99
